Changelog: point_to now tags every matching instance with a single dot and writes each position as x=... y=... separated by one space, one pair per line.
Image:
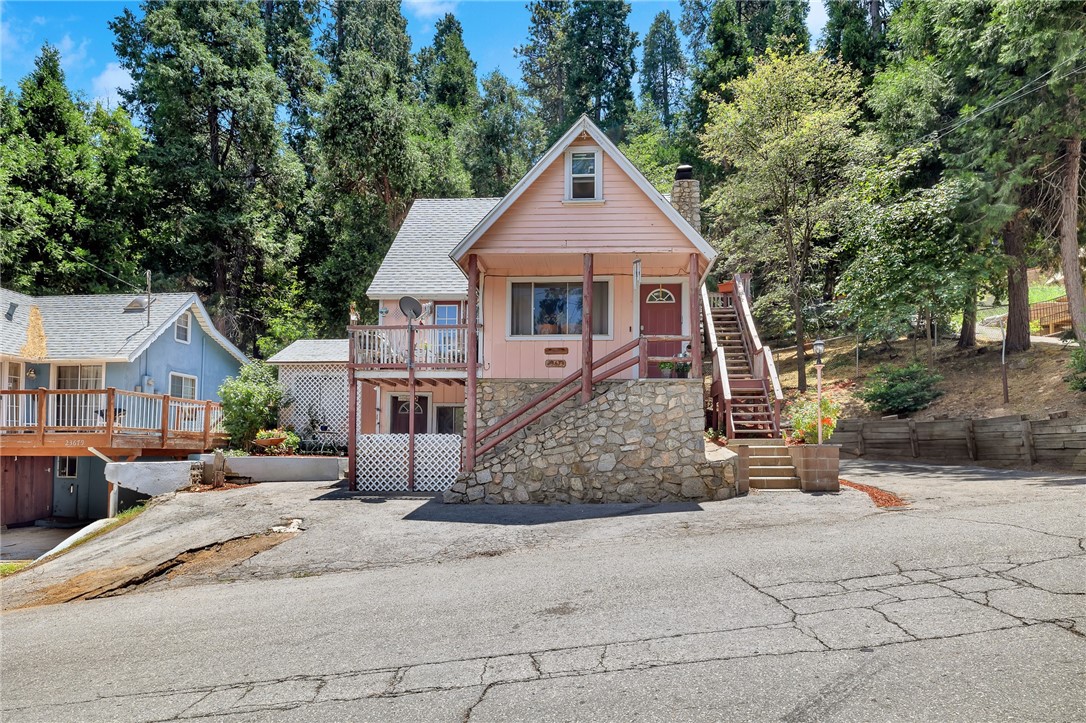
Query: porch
x=53 y=422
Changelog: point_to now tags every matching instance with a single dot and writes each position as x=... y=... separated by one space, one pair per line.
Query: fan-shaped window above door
x=660 y=296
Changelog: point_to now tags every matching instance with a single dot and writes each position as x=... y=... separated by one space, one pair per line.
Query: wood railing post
x=695 y=319
x=207 y=424
x=111 y=414
x=642 y=358
x=586 y=331
x=471 y=383
x=165 y=418
x=42 y=405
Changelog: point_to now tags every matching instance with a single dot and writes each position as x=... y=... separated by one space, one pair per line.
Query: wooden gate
x=26 y=489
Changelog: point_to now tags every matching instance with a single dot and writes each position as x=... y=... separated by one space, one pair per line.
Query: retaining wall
x=640 y=441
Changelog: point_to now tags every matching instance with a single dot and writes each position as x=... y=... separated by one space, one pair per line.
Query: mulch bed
x=881 y=498
x=209 y=488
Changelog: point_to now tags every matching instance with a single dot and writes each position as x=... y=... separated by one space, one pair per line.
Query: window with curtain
x=555 y=308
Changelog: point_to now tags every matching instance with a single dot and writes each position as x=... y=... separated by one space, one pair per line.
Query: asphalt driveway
x=969 y=605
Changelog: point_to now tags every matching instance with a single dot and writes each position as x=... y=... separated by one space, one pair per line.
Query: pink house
x=582 y=284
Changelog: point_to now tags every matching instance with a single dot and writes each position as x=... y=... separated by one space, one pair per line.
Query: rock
x=607 y=462
x=693 y=488
x=483 y=476
x=476 y=492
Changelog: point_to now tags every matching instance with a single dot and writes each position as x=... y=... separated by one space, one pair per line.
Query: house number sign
x=555 y=362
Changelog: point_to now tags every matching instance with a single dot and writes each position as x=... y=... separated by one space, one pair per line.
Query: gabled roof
x=313 y=351
x=418 y=262
x=97 y=326
x=584 y=125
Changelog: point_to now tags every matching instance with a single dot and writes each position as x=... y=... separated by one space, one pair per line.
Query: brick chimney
x=686 y=195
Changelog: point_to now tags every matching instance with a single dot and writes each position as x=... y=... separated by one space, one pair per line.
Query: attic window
x=181 y=329
x=584 y=180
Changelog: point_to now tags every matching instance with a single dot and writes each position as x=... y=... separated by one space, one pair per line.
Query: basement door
x=662 y=313
x=400 y=419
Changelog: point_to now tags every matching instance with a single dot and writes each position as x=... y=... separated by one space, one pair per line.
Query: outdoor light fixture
x=31 y=373
x=819 y=347
x=383 y=311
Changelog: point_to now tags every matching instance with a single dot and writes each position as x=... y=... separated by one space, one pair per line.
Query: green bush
x=897 y=390
x=1077 y=377
x=251 y=402
x=805 y=415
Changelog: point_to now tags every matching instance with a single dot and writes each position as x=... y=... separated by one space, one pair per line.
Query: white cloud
x=38 y=20
x=430 y=9
x=71 y=55
x=12 y=40
x=107 y=84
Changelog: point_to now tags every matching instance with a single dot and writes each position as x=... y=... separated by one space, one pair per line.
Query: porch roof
x=313 y=351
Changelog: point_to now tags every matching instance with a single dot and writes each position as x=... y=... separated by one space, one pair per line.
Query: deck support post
x=111 y=414
x=42 y=413
x=352 y=418
x=695 y=319
x=586 y=331
x=471 y=383
x=411 y=404
x=165 y=419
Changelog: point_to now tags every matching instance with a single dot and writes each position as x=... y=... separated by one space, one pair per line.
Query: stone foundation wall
x=640 y=441
x=498 y=397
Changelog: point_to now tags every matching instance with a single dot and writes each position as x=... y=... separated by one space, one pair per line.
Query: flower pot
x=272 y=442
x=682 y=373
x=665 y=373
x=726 y=287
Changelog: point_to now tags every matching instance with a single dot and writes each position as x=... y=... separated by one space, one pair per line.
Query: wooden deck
x=440 y=351
x=113 y=422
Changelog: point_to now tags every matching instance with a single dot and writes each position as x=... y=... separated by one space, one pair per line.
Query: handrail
x=742 y=293
x=545 y=394
x=720 y=366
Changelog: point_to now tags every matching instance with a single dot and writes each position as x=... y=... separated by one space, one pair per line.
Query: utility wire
x=77 y=257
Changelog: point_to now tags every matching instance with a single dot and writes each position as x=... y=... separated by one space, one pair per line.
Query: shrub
x=897 y=390
x=251 y=402
x=1077 y=377
x=805 y=414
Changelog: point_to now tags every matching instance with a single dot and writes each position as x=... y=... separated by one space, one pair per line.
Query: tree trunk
x=801 y=355
x=968 y=337
x=1014 y=245
x=874 y=8
x=1069 y=248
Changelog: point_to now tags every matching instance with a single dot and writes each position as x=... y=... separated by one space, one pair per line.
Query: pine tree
x=544 y=64
x=848 y=36
x=207 y=97
x=505 y=139
x=663 y=69
x=446 y=72
x=600 y=51
x=789 y=29
x=289 y=27
x=726 y=57
x=379 y=28
x=694 y=23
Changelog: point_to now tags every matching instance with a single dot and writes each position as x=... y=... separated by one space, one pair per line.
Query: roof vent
x=10 y=313
x=684 y=172
x=138 y=303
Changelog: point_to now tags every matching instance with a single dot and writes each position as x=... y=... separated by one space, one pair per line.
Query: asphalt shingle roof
x=92 y=326
x=313 y=351
x=418 y=262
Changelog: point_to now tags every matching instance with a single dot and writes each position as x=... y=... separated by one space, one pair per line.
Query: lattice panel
x=382 y=462
x=320 y=393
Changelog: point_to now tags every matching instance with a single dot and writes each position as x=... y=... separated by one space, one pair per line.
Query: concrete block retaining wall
x=284 y=469
x=818 y=467
x=640 y=441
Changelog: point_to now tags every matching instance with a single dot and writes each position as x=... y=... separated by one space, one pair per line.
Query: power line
x=77 y=257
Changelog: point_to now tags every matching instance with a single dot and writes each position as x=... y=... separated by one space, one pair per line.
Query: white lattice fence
x=320 y=393
x=382 y=462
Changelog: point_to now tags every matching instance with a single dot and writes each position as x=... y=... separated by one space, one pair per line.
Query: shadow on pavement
x=528 y=514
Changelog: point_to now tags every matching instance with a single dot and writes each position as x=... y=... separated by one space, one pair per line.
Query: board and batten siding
x=625 y=222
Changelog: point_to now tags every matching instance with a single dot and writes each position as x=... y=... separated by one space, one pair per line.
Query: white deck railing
x=387 y=346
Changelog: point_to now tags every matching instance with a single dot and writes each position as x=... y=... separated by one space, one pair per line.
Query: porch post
x=586 y=331
x=352 y=414
x=470 y=411
x=695 y=319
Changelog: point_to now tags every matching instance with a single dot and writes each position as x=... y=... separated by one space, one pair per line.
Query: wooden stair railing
x=572 y=381
x=720 y=390
x=761 y=356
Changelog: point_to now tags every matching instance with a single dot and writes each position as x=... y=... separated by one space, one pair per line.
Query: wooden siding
x=26 y=489
x=539 y=221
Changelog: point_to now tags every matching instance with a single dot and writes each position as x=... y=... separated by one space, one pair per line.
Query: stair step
x=774 y=483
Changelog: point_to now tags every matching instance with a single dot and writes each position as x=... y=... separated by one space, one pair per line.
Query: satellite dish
x=411 y=308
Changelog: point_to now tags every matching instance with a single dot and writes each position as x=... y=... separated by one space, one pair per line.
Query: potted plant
x=665 y=369
x=682 y=370
x=266 y=438
x=725 y=287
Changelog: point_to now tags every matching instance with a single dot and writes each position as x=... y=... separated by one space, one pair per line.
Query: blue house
x=86 y=379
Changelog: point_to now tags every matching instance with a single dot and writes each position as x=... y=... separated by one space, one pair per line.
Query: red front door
x=661 y=313
x=400 y=418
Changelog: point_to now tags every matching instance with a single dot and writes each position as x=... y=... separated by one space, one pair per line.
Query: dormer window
x=182 y=328
x=584 y=177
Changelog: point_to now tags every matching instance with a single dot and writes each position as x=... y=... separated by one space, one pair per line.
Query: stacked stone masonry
x=639 y=441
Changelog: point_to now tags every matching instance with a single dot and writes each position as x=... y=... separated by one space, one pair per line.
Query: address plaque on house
x=555 y=362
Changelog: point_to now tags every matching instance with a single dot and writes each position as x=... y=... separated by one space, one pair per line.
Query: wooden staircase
x=745 y=394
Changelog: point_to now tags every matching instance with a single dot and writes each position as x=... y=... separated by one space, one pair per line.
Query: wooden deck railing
x=721 y=390
x=386 y=347
x=761 y=357
x=107 y=418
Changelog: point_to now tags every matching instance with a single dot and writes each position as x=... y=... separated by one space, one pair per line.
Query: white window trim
x=509 y=281
x=187 y=316
x=17 y=375
x=56 y=464
x=195 y=384
x=568 y=173
x=386 y=411
x=456 y=305
x=54 y=368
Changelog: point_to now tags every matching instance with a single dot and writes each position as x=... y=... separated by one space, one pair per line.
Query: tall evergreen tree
x=544 y=64
x=725 y=58
x=600 y=49
x=73 y=195
x=694 y=23
x=663 y=69
x=505 y=139
x=289 y=27
x=848 y=36
x=376 y=27
x=788 y=32
x=207 y=97
x=446 y=72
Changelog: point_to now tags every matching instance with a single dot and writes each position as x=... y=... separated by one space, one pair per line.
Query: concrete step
x=770 y=454
x=774 y=483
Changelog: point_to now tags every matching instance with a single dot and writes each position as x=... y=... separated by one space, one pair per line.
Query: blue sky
x=492 y=29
